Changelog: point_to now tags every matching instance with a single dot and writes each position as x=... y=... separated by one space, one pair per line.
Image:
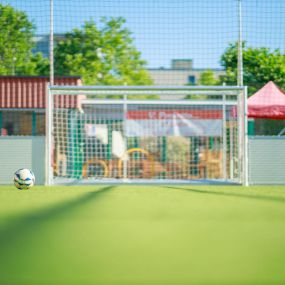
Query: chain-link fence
x=130 y=42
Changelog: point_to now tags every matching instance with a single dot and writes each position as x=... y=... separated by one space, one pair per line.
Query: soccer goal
x=140 y=134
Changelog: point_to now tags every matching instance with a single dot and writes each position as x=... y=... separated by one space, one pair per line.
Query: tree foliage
x=207 y=77
x=260 y=65
x=16 y=43
x=101 y=53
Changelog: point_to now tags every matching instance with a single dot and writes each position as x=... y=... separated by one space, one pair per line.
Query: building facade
x=42 y=43
x=181 y=72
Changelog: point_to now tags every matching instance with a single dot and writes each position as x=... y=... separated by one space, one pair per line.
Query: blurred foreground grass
x=145 y=235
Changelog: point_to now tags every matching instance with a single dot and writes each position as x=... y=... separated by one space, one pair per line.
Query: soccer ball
x=24 y=179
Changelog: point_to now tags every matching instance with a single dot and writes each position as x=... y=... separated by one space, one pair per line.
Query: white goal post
x=140 y=134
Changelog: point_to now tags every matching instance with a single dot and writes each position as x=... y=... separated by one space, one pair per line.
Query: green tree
x=102 y=54
x=16 y=43
x=208 y=78
x=260 y=65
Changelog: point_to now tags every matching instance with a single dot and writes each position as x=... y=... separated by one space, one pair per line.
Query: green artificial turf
x=145 y=235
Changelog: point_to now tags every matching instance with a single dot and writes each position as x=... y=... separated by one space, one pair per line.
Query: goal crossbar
x=142 y=90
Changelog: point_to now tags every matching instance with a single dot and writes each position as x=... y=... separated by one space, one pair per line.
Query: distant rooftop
x=183 y=65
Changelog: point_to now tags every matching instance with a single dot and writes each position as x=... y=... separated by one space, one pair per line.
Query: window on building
x=22 y=123
x=192 y=79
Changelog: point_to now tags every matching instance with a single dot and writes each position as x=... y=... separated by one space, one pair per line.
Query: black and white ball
x=24 y=179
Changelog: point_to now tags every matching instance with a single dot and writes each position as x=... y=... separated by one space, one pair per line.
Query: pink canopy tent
x=267 y=103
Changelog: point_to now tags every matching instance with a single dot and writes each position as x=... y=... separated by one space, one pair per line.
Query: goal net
x=146 y=134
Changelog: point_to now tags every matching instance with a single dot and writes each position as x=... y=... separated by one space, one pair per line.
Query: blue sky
x=164 y=30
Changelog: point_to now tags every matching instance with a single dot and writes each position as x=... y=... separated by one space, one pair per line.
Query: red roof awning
x=29 y=92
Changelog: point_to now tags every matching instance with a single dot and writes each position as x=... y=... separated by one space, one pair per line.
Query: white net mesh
x=118 y=137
